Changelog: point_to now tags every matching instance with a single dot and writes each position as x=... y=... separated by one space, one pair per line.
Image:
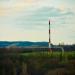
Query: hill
x=23 y=44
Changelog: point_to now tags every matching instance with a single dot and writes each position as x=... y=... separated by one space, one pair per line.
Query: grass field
x=38 y=63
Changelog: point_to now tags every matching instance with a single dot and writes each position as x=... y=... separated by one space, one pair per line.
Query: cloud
x=10 y=7
x=29 y=18
x=40 y=17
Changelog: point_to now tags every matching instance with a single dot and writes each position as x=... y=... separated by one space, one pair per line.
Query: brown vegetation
x=36 y=65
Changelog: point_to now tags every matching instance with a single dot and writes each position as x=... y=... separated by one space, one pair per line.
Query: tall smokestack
x=49 y=35
x=50 y=38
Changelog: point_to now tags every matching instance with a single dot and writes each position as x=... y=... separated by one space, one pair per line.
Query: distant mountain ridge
x=23 y=44
x=8 y=44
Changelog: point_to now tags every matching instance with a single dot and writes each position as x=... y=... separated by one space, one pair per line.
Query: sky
x=27 y=20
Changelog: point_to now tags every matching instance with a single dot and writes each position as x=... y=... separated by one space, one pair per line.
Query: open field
x=38 y=63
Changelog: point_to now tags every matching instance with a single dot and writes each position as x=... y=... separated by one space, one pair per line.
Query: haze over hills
x=23 y=44
x=13 y=44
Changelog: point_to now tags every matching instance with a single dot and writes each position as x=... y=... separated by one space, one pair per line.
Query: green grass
x=48 y=54
x=68 y=55
x=42 y=63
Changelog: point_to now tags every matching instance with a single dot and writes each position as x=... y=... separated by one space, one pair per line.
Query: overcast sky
x=27 y=20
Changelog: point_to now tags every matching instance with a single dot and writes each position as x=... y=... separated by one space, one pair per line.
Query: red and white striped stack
x=49 y=36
